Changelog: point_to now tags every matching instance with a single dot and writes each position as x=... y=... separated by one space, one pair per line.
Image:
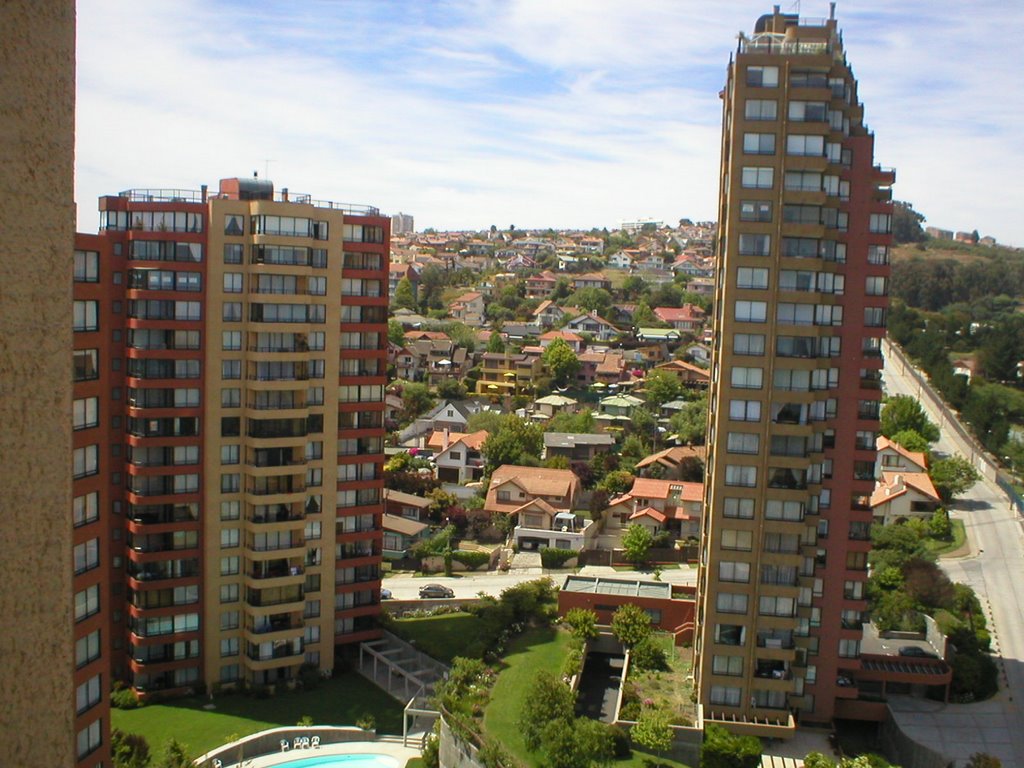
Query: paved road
x=493 y=582
x=995 y=570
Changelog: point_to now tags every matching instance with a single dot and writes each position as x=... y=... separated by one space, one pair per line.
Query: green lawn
x=444 y=637
x=959 y=539
x=339 y=701
x=528 y=654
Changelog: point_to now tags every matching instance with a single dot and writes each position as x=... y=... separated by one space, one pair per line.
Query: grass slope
x=339 y=701
x=443 y=637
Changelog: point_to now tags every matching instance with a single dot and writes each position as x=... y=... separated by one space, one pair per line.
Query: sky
x=525 y=113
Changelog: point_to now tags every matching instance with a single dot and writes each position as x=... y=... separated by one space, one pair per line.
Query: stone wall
x=37 y=227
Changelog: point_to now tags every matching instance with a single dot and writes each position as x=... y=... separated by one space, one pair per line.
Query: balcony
x=274 y=569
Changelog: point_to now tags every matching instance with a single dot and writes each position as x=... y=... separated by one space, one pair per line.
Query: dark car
x=917 y=652
x=436 y=590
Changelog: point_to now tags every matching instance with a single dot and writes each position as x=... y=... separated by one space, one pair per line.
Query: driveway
x=995 y=570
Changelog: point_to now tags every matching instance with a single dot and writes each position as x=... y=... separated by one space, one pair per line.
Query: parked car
x=917 y=652
x=385 y=594
x=436 y=590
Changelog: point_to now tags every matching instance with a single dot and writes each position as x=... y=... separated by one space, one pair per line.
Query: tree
x=582 y=622
x=581 y=422
x=488 y=421
x=691 y=423
x=416 y=399
x=952 y=477
x=515 y=441
x=617 y=482
x=548 y=700
x=405 y=297
x=631 y=624
x=451 y=389
x=128 y=750
x=661 y=387
x=633 y=287
x=902 y=412
x=560 y=361
x=579 y=743
x=724 y=750
x=818 y=760
x=653 y=729
x=906 y=223
x=462 y=335
x=911 y=440
x=496 y=343
x=591 y=299
x=636 y=542
x=644 y=317
x=396 y=333
x=176 y=757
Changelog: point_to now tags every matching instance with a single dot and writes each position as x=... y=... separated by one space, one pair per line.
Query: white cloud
x=573 y=113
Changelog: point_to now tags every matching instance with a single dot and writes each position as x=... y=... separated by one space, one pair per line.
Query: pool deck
x=391 y=749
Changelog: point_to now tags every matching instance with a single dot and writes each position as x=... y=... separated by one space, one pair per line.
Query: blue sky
x=537 y=113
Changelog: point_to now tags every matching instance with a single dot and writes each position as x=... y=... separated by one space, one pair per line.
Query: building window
x=87 y=649
x=87 y=602
x=733 y=571
x=875 y=286
x=727 y=665
x=758 y=178
x=773 y=605
x=231 y=341
x=85 y=509
x=86 y=556
x=229 y=454
x=752 y=278
x=87 y=695
x=853 y=590
x=878 y=254
x=234 y=225
x=747 y=378
x=229 y=620
x=739 y=508
x=745 y=410
x=85 y=413
x=85 y=461
x=730 y=634
x=230 y=510
x=231 y=397
x=808 y=111
x=761 y=109
x=742 y=442
x=805 y=146
x=762 y=77
x=759 y=143
x=230 y=673
x=231 y=369
x=89 y=739
x=232 y=282
x=229 y=647
x=755 y=245
x=86 y=316
x=232 y=312
x=87 y=267
x=741 y=540
x=751 y=311
x=755 y=210
x=748 y=344
x=739 y=475
x=229 y=566
x=727 y=602
x=775 y=509
x=880 y=223
x=849 y=649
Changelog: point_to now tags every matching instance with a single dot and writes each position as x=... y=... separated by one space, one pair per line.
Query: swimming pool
x=341 y=761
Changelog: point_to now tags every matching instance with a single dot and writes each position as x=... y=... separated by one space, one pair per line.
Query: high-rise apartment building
x=230 y=366
x=805 y=221
x=401 y=223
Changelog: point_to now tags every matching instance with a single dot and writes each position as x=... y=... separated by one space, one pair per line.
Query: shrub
x=432 y=750
x=975 y=676
x=630 y=710
x=582 y=622
x=620 y=742
x=555 y=558
x=124 y=698
x=573 y=663
x=725 y=750
x=630 y=624
x=367 y=722
x=471 y=560
x=548 y=701
x=648 y=656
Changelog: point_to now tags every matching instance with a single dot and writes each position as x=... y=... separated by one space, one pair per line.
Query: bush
x=124 y=698
x=471 y=560
x=573 y=663
x=309 y=676
x=582 y=622
x=367 y=722
x=725 y=750
x=648 y=656
x=975 y=677
x=620 y=742
x=555 y=558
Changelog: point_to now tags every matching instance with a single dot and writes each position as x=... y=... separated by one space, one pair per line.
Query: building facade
x=805 y=222
x=238 y=364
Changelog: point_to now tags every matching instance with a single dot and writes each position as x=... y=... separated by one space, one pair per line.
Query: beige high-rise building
x=37 y=220
x=804 y=235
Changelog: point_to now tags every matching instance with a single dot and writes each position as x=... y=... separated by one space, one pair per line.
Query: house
x=404 y=361
x=671 y=463
x=410 y=319
x=595 y=325
x=438 y=360
x=685 y=319
x=539 y=525
x=688 y=374
x=619 y=406
x=406 y=505
x=452 y=415
x=605 y=366
x=658 y=335
x=576 y=447
x=966 y=366
x=507 y=373
x=548 y=314
x=620 y=260
x=591 y=244
x=699 y=354
x=520 y=331
x=893 y=457
x=660 y=505
x=512 y=486
x=518 y=262
x=458 y=455
x=574 y=341
x=591 y=280
x=899 y=496
x=398 y=271
x=541 y=286
x=671 y=607
x=549 y=405
x=393 y=407
x=401 y=534
x=650 y=261
x=702 y=286
x=468 y=308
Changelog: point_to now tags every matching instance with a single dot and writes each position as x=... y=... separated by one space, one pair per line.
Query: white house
x=899 y=496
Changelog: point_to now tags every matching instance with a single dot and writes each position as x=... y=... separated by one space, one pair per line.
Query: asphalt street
x=995 y=569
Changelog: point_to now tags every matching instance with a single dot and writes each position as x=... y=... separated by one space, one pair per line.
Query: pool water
x=341 y=761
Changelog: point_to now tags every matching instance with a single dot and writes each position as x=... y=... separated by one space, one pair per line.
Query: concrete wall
x=37 y=224
x=269 y=742
x=907 y=752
